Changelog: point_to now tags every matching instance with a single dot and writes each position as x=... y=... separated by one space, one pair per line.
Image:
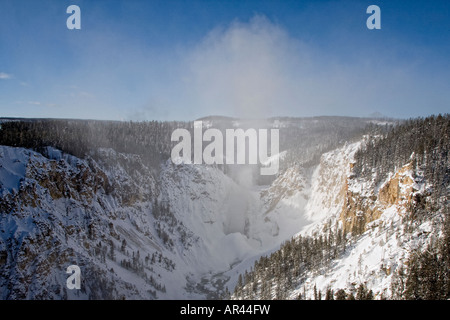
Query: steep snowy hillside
x=373 y=257
x=375 y=233
x=134 y=235
x=61 y=210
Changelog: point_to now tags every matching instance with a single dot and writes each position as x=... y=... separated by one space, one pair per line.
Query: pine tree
x=123 y=246
x=112 y=254
x=329 y=294
x=238 y=289
x=341 y=295
x=361 y=292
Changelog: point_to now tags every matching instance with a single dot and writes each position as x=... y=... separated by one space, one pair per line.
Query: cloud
x=257 y=69
x=243 y=70
x=5 y=76
x=36 y=103
x=52 y=105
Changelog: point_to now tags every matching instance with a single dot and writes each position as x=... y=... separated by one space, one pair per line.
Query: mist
x=256 y=69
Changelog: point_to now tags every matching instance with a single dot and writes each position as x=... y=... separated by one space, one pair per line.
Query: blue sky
x=180 y=60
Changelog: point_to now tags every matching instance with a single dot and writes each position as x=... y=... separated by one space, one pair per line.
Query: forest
x=149 y=139
x=424 y=141
x=304 y=139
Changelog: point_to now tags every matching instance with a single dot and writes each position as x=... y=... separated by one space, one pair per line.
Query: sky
x=182 y=60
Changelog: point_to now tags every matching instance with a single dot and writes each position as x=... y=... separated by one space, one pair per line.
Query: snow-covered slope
x=61 y=210
x=374 y=218
x=134 y=232
x=375 y=257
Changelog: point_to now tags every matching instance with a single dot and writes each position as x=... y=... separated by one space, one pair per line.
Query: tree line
x=304 y=138
x=150 y=139
x=423 y=141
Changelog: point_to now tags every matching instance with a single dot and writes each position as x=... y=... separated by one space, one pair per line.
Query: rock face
x=329 y=183
x=363 y=204
x=398 y=189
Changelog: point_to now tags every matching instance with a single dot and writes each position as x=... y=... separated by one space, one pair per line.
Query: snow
x=228 y=217
x=12 y=168
x=374 y=257
x=228 y=220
